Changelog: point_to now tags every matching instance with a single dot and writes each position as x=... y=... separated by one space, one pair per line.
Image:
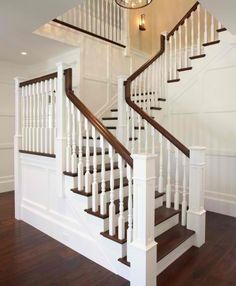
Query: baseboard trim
x=6 y=184
x=221 y=206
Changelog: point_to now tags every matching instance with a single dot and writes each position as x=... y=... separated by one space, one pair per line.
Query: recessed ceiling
x=19 y=19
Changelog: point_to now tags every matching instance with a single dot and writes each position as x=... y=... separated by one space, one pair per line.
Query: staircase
x=136 y=192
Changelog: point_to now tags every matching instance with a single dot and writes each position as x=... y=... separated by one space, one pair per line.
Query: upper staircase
x=137 y=191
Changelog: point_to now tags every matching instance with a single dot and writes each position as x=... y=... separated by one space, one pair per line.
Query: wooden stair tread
x=155 y=108
x=161 y=214
x=99 y=167
x=110 y=118
x=171 y=239
x=114 y=110
x=173 y=80
x=184 y=69
x=197 y=57
x=211 y=43
x=38 y=154
x=107 y=187
x=161 y=99
x=116 y=202
x=167 y=242
x=221 y=30
x=111 y=127
x=91 y=151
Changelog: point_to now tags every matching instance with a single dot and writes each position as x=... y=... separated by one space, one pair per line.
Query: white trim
x=6 y=183
x=6 y=146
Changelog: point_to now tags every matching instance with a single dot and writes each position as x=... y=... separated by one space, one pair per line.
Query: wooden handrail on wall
x=102 y=130
x=143 y=114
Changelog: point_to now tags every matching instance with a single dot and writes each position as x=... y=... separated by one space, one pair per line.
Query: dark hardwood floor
x=29 y=257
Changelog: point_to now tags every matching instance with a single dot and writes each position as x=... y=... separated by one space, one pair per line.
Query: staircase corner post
x=122 y=118
x=61 y=128
x=143 y=248
x=196 y=215
x=17 y=147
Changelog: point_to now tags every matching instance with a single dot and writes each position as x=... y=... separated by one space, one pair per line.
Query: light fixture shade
x=133 y=4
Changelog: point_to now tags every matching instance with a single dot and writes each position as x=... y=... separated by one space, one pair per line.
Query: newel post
x=61 y=128
x=196 y=216
x=143 y=248
x=17 y=147
x=122 y=118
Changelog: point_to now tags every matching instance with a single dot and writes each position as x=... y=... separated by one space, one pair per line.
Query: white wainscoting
x=202 y=111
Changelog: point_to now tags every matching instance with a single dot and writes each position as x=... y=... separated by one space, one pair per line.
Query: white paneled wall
x=8 y=71
x=203 y=112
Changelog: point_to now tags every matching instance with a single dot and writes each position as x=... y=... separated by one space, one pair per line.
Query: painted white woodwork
x=88 y=177
x=95 y=182
x=61 y=139
x=112 y=209
x=103 y=209
x=196 y=215
x=142 y=249
x=121 y=219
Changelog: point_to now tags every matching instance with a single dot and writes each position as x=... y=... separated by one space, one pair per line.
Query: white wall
x=7 y=97
x=203 y=112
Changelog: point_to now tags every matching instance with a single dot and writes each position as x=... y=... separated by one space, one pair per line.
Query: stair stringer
x=189 y=78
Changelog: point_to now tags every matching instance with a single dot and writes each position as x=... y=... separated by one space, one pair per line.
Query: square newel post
x=122 y=118
x=196 y=216
x=17 y=147
x=61 y=128
x=143 y=248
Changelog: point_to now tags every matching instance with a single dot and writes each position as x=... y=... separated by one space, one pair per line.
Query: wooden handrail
x=143 y=114
x=181 y=22
x=39 y=79
x=87 y=32
x=110 y=138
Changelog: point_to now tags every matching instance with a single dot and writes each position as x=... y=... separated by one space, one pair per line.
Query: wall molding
x=6 y=146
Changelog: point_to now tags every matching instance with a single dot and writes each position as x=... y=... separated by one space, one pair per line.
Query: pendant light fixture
x=133 y=4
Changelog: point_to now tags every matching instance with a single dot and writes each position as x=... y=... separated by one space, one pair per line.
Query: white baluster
x=139 y=133
x=46 y=116
x=23 y=101
x=128 y=110
x=30 y=116
x=130 y=209
x=184 y=200
x=192 y=34
x=103 y=209
x=34 y=116
x=50 y=116
x=168 y=186
x=186 y=42
x=38 y=117
x=80 y=163
x=180 y=46
x=88 y=178
x=170 y=58
x=176 y=196
x=68 y=146
x=212 y=28
x=175 y=59
x=121 y=219
x=112 y=207
x=74 y=155
x=205 y=27
x=160 y=185
x=199 y=29
x=95 y=182
x=42 y=119
x=146 y=125
x=153 y=140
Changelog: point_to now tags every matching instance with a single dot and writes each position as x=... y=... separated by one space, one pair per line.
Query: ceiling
x=19 y=19
x=224 y=11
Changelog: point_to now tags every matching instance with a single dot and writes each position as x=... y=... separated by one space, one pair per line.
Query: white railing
x=103 y=18
x=38 y=107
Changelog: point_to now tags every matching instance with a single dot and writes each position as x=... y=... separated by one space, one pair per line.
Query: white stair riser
x=166 y=225
x=110 y=122
x=99 y=159
x=173 y=255
x=114 y=113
